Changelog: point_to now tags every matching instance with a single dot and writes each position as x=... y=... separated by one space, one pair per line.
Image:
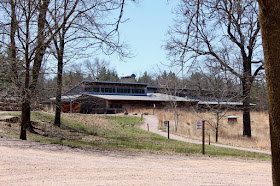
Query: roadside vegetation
x=229 y=134
x=113 y=133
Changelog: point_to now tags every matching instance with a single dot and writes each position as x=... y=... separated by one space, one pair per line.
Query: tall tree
x=59 y=16
x=224 y=31
x=269 y=19
x=27 y=46
x=27 y=39
x=87 y=23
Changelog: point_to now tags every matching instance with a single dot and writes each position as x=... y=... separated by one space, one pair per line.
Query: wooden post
x=148 y=126
x=209 y=139
x=141 y=116
x=71 y=106
x=168 y=128
x=203 y=137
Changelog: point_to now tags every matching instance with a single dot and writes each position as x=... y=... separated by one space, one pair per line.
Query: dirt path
x=30 y=163
x=152 y=121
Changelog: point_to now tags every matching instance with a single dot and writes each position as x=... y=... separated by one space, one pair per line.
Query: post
x=141 y=116
x=203 y=137
x=209 y=139
x=168 y=128
x=70 y=105
x=148 y=126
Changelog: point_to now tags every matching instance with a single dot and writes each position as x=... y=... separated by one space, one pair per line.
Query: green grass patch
x=121 y=134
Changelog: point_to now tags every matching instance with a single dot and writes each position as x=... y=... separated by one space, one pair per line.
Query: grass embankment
x=118 y=134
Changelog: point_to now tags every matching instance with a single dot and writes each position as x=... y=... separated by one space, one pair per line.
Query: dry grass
x=228 y=134
x=111 y=133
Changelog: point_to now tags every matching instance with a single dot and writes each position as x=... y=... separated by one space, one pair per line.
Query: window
x=87 y=89
x=95 y=89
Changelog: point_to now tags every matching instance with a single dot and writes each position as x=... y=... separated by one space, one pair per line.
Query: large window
x=120 y=90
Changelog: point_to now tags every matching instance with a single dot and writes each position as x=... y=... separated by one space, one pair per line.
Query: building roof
x=66 y=98
x=149 y=97
x=112 y=82
x=233 y=103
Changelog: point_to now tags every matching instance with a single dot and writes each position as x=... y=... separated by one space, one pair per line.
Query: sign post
x=203 y=137
x=200 y=125
x=166 y=124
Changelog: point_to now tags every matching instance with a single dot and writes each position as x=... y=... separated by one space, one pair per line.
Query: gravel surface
x=30 y=163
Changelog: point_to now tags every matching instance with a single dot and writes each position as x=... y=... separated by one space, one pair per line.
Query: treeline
x=100 y=70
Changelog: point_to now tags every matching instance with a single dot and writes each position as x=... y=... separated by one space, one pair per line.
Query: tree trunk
x=246 y=108
x=60 y=54
x=270 y=25
x=57 y=119
x=25 y=119
x=246 y=117
x=217 y=127
x=217 y=134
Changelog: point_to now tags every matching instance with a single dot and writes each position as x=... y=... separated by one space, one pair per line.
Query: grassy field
x=228 y=134
x=114 y=133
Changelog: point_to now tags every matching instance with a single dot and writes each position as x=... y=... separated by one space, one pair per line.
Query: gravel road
x=30 y=163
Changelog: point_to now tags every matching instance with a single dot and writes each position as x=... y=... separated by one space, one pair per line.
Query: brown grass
x=228 y=134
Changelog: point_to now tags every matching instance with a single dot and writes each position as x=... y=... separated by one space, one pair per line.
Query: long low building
x=114 y=97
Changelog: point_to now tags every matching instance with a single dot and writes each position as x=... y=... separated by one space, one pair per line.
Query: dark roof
x=112 y=82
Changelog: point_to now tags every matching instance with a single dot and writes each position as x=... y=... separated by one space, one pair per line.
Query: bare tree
x=270 y=25
x=170 y=84
x=225 y=31
x=24 y=37
x=27 y=39
x=95 y=67
x=87 y=23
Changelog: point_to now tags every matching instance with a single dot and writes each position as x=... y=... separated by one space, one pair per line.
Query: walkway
x=153 y=127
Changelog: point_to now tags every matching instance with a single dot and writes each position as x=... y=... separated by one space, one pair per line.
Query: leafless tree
x=94 y=68
x=170 y=83
x=270 y=25
x=87 y=24
x=33 y=25
x=222 y=30
x=24 y=36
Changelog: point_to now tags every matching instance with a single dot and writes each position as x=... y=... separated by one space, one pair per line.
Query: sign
x=198 y=124
x=166 y=123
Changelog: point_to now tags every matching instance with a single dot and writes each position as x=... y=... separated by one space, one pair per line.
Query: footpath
x=152 y=122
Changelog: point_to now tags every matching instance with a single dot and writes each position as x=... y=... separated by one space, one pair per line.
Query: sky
x=145 y=32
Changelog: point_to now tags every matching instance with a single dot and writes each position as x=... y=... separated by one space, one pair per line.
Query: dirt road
x=30 y=163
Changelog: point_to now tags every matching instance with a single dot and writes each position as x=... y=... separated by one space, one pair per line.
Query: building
x=114 y=97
